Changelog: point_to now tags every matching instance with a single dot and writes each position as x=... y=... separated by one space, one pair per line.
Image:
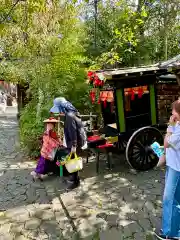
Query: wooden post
x=59 y=125
x=91 y=119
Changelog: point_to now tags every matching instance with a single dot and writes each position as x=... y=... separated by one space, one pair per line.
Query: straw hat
x=51 y=120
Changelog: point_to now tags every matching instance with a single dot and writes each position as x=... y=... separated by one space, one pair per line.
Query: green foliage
x=31 y=130
x=117 y=34
x=130 y=35
x=47 y=45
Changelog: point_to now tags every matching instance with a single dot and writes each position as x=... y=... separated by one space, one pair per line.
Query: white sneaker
x=43 y=176
x=35 y=175
x=85 y=146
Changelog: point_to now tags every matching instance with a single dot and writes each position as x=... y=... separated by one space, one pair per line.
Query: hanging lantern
x=106 y=96
x=110 y=96
x=110 y=99
x=145 y=89
x=103 y=95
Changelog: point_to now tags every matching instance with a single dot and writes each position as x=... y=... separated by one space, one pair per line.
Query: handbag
x=73 y=163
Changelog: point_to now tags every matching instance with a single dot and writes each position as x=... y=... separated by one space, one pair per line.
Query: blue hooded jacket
x=73 y=126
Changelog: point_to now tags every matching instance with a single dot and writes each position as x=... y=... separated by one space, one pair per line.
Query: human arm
x=173 y=140
x=169 y=131
x=71 y=129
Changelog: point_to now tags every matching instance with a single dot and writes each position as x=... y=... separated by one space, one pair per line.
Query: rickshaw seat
x=107 y=145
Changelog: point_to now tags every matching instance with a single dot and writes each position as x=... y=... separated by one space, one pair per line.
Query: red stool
x=93 y=142
x=107 y=148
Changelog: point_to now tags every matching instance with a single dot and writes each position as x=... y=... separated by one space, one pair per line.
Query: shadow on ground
x=117 y=204
x=122 y=202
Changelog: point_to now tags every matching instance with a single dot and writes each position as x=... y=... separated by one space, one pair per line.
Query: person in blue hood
x=74 y=137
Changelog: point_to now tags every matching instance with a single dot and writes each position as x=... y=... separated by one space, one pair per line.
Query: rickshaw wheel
x=138 y=151
x=122 y=145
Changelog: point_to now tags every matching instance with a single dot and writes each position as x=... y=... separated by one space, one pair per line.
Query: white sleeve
x=174 y=139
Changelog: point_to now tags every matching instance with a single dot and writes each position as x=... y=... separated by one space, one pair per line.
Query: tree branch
x=7 y=15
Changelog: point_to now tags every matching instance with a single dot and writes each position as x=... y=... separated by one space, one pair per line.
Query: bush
x=30 y=130
x=32 y=126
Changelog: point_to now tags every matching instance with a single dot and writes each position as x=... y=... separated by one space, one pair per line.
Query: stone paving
x=120 y=205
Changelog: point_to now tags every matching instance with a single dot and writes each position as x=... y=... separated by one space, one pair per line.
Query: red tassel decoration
x=92 y=96
x=99 y=98
x=140 y=92
x=132 y=95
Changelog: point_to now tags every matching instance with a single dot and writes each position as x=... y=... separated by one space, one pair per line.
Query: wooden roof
x=163 y=68
x=168 y=76
x=172 y=64
x=124 y=73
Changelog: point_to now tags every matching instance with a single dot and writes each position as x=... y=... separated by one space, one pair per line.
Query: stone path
x=117 y=205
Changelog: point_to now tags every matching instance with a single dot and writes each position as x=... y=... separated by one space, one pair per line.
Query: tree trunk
x=141 y=28
x=166 y=46
x=165 y=32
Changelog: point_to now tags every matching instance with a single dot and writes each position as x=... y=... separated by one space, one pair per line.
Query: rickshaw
x=128 y=101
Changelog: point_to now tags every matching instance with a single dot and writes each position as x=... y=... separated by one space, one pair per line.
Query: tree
x=131 y=34
x=44 y=45
x=162 y=25
x=49 y=45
